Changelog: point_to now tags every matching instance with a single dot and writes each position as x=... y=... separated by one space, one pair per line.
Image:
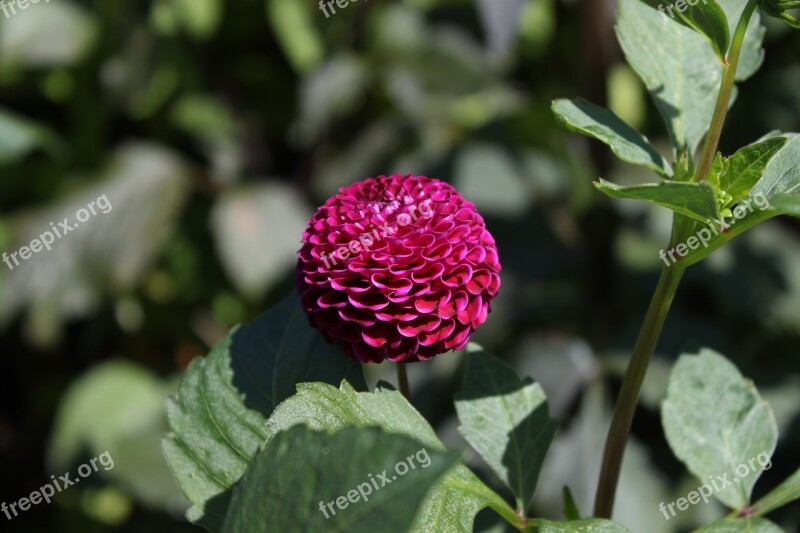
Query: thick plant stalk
x=725 y=91
x=631 y=385
x=665 y=291
x=402 y=380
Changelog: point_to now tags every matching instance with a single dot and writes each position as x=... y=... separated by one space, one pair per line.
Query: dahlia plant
x=277 y=430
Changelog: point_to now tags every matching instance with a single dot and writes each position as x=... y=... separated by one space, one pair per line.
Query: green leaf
x=451 y=505
x=584 y=117
x=506 y=420
x=780 y=183
x=21 y=40
x=783 y=494
x=19 y=137
x=678 y=67
x=706 y=18
x=501 y=24
x=200 y=17
x=695 y=200
x=219 y=416
x=718 y=425
x=716 y=170
x=744 y=168
x=591 y=525
x=506 y=194
x=571 y=511
x=143 y=186
x=306 y=480
x=742 y=525
x=243 y=223
x=293 y=26
x=116 y=406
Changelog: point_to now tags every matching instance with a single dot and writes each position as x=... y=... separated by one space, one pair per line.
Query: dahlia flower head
x=397 y=267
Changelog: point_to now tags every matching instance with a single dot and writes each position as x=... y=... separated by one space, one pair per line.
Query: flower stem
x=724 y=97
x=665 y=291
x=631 y=385
x=402 y=380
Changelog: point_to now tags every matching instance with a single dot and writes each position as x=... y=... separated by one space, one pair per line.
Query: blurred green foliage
x=215 y=128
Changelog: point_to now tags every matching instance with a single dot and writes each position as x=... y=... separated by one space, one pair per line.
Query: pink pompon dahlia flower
x=397 y=267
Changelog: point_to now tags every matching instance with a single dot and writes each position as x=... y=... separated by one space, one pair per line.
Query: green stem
x=724 y=97
x=631 y=385
x=402 y=380
x=665 y=291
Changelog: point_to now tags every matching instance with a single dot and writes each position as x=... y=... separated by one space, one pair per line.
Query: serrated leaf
x=584 y=117
x=219 y=416
x=742 y=525
x=744 y=168
x=678 y=67
x=506 y=420
x=783 y=494
x=451 y=505
x=591 y=525
x=716 y=170
x=706 y=18
x=300 y=471
x=695 y=200
x=715 y=422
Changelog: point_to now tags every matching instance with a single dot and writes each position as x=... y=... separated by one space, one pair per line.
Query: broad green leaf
x=744 y=168
x=451 y=505
x=139 y=194
x=747 y=214
x=356 y=480
x=584 y=117
x=19 y=136
x=71 y=31
x=718 y=425
x=506 y=420
x=591 y=525
x=781 y=180
x=293 y=25
x=501 y=23
x=742 y=525
x=243 y=223
x=506 y=194
x=571 y=511
x=706 y=18
x=200 y=17
x=117 y=407
x=678 y=67
x=695 y=200
x=783 y=494
x=218 y=418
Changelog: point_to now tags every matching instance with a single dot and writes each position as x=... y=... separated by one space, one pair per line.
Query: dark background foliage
x=215 y=128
